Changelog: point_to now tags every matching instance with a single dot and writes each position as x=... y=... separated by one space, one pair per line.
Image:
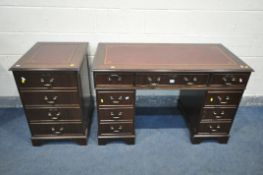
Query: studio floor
x=162 y=147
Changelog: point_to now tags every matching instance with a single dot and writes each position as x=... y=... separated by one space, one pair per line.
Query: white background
x=238 y=24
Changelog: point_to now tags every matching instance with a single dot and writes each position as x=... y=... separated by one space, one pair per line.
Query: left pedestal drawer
x=53 y=114
x=50 y=97
x=45 y=79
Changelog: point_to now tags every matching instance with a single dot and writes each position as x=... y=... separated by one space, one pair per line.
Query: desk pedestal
x=209 y=113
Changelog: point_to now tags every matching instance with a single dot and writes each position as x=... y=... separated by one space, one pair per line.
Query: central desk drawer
x=115 y=97
x=45 y=79
x=113 y=79
x=116 y=128
x=53 y=114
x=223 y=98
x=57 y=129
x=50 y=97
x=116 y=114
x=156 y=79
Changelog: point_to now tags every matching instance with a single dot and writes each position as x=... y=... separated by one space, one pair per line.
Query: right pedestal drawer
x=214 y=128
x=116 y=128
x=218 y=113
x=223 y=97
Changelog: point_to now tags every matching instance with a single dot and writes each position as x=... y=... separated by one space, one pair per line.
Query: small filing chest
x=53 y=83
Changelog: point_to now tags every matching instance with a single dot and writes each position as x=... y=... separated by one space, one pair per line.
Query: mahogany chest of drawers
x=53 y=83
x=210 y=78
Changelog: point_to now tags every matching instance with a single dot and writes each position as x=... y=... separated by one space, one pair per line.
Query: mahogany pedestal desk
x=210 y=78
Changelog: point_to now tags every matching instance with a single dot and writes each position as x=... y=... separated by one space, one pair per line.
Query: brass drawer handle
x=149 y=79
x=48 y=83
x=230 y=79
x=116 y=116
x=114 y=76
x=119 y=99
x=116 y=130
x=226 y=81
x=217 y=116
x=192 y=82
x=57 y=132
x=54 y=117
x=220 y=99
x=50 y=101
x=154 y=83
x=115 y=102
x=214 y=129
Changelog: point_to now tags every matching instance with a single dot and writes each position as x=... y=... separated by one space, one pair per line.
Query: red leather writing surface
x=166 y=55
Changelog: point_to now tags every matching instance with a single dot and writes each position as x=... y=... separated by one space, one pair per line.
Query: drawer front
x=115 y=97
x=229 y=79
x=214 y=128
x=192 y=79
x=57 y=129
x=218 y=113
x=223 y=98
x=116 y=128
x=113 y=79
x=111 y=114
x=50 y=98
x=53 y=114
x=156 y=79
x=46 y=79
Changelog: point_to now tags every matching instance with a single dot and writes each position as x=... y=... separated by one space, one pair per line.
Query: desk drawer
x=113 y=79
x=218 y=113
x=53 y=114
x=116 y=128
x=159 y=79
x=57 y=129
x=223 y=98
x=214 y=128
x=115 y=97
x=49 y=97
x=46 y=79
x=230 y=79
x=118 y=114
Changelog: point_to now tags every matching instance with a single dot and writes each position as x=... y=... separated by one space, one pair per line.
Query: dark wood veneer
x=53 y=82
